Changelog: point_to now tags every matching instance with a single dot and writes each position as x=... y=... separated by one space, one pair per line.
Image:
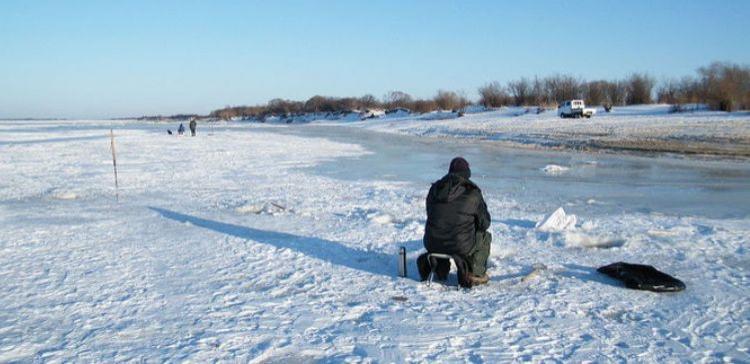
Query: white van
x=575 y=109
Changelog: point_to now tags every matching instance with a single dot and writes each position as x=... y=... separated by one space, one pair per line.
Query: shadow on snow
x=326 y=250
x=589 y=274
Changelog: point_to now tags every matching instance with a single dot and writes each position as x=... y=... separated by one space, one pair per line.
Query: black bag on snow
x=639 y=276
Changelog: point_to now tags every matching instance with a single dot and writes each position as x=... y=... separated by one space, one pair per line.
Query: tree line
x=443 y=100
x=720 y=86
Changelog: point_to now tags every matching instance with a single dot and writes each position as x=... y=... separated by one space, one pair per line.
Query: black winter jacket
x=456 y=211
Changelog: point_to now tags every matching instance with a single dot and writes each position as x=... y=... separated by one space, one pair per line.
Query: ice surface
x=194 y=264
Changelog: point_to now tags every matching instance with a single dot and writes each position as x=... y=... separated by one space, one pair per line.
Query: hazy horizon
x=90 y=59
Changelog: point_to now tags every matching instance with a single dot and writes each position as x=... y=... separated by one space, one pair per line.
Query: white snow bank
x=400 y=113
x=557 y=221
x=439 y=115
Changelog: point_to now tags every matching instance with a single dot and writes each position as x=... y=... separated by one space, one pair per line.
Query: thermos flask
x=402 y=262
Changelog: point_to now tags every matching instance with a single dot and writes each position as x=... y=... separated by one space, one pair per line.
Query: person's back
x=454 y=215
x=457 y=220
x=193 y=125
x=181 y=129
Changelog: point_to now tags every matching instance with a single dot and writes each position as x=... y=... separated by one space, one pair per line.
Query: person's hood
x=451 y=186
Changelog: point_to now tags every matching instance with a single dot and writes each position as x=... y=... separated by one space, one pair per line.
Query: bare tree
x=422 y=106
x=369 y=101
x=346 y=104
x=616 y=92
x=315 y=104
x=725 y=86
x=538 y=94
x=284 y=107
x=449 y=100
x=639 y=88
x=559 y=88
x=668 y=92
x=396 y=99
x=520 y=91
x=493 y=95
x=595 y=92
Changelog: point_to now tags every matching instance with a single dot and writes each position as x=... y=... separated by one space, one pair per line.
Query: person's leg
x=442 y=269
x=477 y=259
x=423 y=266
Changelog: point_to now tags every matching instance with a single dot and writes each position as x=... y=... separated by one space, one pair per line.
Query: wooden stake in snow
x=114 y=162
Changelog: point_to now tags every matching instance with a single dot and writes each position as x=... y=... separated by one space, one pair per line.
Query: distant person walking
x=193 y=125
x=181 y=129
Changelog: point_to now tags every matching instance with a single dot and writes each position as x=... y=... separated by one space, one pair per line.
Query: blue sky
x=126 y=58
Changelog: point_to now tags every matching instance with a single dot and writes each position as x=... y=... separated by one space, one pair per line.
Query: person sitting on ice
x=181 y=129
x=457 y=223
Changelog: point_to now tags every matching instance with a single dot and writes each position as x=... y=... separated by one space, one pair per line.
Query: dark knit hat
x=460 y=166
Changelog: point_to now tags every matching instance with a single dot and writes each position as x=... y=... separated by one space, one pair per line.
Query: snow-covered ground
x=279 y=244
x=637 y=128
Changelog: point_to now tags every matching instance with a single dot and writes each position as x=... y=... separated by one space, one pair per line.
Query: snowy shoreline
x=647 y=129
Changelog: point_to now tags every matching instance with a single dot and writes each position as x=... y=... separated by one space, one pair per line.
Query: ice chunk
x=382 y=219
x=554 y=169
x=582 y=240
x=266 y=208
x=674 y=231
x=65 y=195
x=557 y=221
x=536 y=270
x=249 y=209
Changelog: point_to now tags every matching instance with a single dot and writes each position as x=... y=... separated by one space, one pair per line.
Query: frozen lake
x=278 y=244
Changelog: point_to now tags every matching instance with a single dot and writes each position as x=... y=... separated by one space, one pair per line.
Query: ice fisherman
x=181 y=129
x=193 y=125
x=457 y=223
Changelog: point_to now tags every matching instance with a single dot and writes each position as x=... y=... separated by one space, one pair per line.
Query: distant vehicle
x=575 y=109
